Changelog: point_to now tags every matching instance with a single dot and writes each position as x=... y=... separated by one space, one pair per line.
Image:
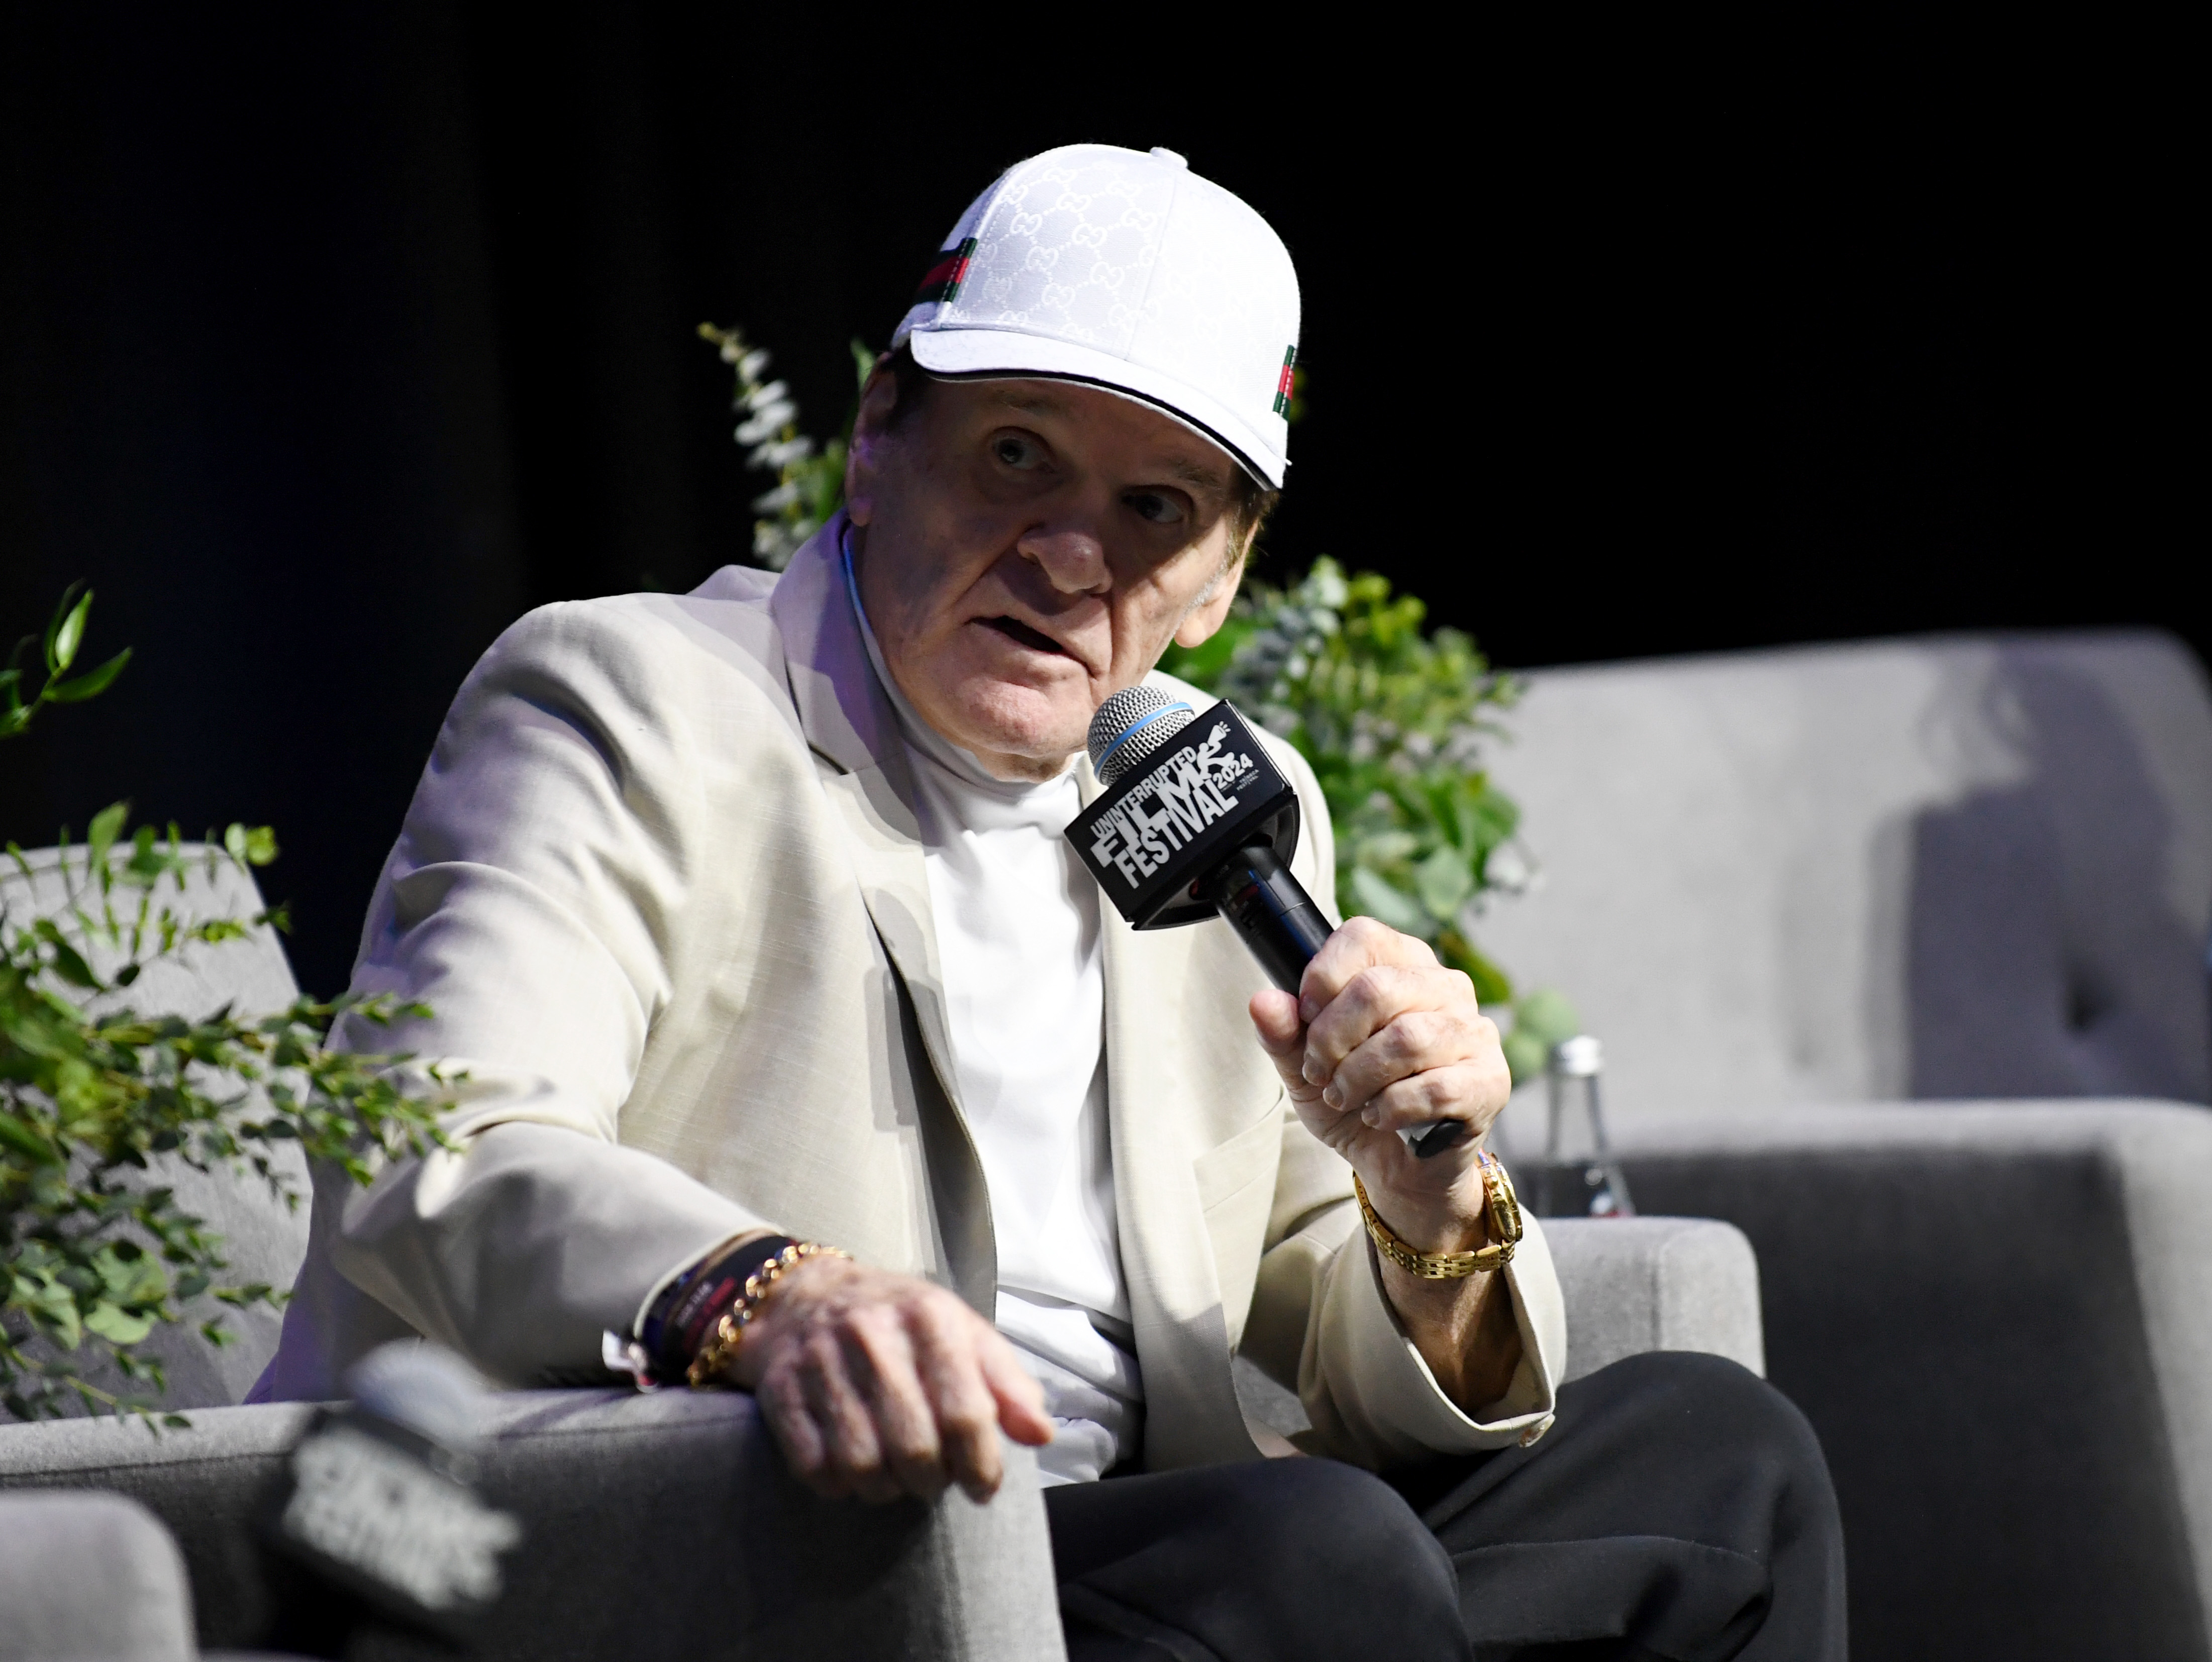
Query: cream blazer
x=662 y=887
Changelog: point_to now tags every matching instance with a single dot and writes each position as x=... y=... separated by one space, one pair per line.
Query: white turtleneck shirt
x=1017 y=939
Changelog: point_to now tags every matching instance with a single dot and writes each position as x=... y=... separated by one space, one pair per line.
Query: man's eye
x=1151 y=505
x=1015 y=451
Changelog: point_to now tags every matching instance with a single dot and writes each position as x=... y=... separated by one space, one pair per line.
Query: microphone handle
x=1272 y=914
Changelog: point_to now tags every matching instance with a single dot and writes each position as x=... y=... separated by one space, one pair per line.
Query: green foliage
x=1540 y=1020
x=1393 y=720
x=95 y=1255
x=810 y=482
x=64 y=636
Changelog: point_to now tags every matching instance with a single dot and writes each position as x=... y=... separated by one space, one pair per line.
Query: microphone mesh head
x=1131 y=726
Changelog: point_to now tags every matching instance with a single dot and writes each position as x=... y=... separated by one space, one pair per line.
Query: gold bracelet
x=721 y=1349
x=1505 y=1230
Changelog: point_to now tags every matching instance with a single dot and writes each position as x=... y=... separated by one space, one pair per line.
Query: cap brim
x=987 y=354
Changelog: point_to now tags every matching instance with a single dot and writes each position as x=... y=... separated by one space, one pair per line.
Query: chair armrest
x=1633 y=1284
x=90 y=1575
x=662 y=1525
x=1998 y=1318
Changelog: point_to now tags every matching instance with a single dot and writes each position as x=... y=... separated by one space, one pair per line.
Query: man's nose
x=1071 y=558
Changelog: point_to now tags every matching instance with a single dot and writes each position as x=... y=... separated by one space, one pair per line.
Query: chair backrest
x=264 y=1240
x=1960 y=866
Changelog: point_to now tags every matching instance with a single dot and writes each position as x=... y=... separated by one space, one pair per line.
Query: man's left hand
x=1381 y=1037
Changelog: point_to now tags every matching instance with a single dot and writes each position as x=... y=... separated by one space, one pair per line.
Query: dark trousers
x=1679 y=1507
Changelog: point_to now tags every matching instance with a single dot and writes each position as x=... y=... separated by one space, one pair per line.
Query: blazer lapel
x=850 y=725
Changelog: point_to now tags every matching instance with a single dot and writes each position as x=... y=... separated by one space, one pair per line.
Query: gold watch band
x=1505 y=1230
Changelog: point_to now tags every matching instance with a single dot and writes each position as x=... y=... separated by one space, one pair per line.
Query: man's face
x=1027 y=548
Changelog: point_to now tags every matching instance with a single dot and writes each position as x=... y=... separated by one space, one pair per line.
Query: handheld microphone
x=378 y=1508
x=1194 y=826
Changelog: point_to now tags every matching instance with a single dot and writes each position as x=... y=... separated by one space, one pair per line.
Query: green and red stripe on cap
x=943 y=281
x=1286 y=383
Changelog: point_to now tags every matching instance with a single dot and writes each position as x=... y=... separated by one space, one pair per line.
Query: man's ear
x=864 y=462
x=1211 y=611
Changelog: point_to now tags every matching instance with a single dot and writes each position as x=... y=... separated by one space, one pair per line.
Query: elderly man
x=749 y=916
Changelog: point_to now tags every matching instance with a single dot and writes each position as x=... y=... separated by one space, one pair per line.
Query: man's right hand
x=881 y=1384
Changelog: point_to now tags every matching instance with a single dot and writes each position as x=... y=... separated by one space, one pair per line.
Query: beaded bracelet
x=721 y=1349
x=677 y=1323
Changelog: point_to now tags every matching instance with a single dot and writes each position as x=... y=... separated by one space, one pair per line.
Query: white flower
x=767 y=422
x=1509 y=867
x=781 y=453
x=774 y=543
x=1325 y=586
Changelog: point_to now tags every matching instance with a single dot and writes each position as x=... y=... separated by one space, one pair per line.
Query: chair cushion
x=90 y=1577
x=1948 y=867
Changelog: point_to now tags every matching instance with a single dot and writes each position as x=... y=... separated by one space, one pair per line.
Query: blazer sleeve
x=1320 y=1319
x=532 y=901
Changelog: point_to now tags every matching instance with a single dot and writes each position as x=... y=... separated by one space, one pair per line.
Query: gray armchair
x=1813 y=899
x=657 y=1525
x=663 y=1525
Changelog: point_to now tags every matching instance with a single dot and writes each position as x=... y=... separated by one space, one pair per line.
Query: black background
x=331 y=343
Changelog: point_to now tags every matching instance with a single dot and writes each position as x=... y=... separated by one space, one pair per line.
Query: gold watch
x=1505 y=1230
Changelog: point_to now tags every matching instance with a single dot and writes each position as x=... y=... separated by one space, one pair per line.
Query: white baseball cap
x=1128 y=271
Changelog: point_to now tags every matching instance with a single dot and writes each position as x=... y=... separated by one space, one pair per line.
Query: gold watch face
x=1505 y=1204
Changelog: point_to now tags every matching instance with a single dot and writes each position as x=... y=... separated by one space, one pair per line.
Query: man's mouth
x=1014 y=629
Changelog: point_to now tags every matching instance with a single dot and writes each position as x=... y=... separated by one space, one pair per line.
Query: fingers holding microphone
x=1382 y=1037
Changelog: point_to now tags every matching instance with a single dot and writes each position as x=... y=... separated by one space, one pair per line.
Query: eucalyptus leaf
x=107 y=826
x=1526 y=1056
x=92 y=683
x=67 y=962
x=1546 y=1015
x=1540 y=1020
x=1492 y=987
x=1384 y=848
x=250 y=844
x=1373 y=895
x=51 y=1306
x=116 y=1325
x=66 y=632
x=1443 y=882
x=19 y=1137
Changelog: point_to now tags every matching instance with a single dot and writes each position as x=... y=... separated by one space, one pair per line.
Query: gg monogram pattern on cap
x=1097 y=264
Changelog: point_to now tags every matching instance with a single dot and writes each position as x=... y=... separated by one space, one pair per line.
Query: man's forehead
x=1186 y=455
